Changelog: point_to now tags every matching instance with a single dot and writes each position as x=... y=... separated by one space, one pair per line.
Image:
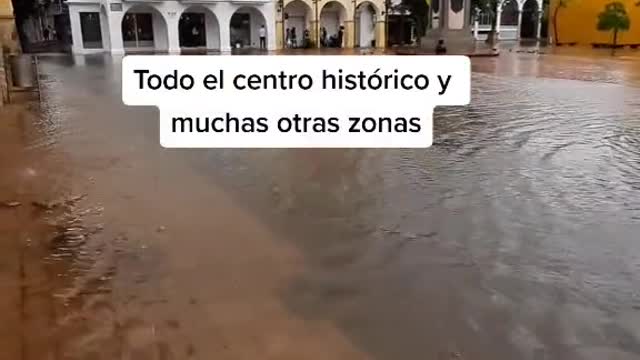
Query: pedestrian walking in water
x=441 y=49
x=263 y=37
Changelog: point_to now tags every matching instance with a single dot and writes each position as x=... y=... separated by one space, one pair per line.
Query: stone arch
x=244 y=27
x=333 y=15
x=144 y=27
x=366 y=17
x=528 y=27
x=298 y=15
x=207 y=26
x=509 y=15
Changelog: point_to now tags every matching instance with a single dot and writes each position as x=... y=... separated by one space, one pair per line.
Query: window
x=90 y=28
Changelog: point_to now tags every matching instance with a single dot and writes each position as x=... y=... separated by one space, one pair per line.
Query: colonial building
x=120 y=26
x=577 y=23
x=363 y=21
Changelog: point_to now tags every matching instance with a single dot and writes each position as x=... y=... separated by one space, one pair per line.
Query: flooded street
x=516 y=236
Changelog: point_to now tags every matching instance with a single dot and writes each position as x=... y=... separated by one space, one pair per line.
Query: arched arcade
x=333 y=23
x=171 y=26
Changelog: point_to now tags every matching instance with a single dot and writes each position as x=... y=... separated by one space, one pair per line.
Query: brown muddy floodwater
x=516 y=236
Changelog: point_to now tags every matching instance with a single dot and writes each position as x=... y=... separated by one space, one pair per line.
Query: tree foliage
x=24 y=9
x=614 y=18
x=419 y=11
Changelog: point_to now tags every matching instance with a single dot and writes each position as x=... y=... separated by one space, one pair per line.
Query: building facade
x=519 y=19
x=169 y=26
x=577 y=23
x=172 y=25
x=363 y=22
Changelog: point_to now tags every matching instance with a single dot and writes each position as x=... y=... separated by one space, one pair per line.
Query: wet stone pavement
x=514 y=237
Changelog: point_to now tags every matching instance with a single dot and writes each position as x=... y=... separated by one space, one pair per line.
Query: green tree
x=23 y=10
x=614 y=18
x=418 y=11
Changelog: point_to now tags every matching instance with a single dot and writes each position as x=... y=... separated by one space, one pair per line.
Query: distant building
x=577 y=23
x=169 y=25
x=363 y=22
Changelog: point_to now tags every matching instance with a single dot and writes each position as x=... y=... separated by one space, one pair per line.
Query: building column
x=498 y=20
x=104 y=30
x=445 y=5
x=269 y=14
x=115 y=32
x=476 y=25
x=380 y=34
x=279 y=35
x=519 y=23
x=539 y=25
x=76 y=30
x=224 y=20
x=347 y=37
x=173 y=36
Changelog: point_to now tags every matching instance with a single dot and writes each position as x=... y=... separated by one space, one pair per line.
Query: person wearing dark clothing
x=263 y=37
x=306 y=41
x=294 y=40
x=340 y=36
x=323 y=37
x=440 y=48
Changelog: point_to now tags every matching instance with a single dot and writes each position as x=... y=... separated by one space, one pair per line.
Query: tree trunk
x=555 y=25
x=615 y=41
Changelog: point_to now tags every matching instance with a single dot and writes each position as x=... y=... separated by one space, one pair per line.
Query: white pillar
x=115 y=32
x=498 y=21
x=224 y=11
x=539 y=26
x=104 y=30
x=270 y=18
x=76 y=29
x=476 y=25
x=173 y=36
x=519 y=23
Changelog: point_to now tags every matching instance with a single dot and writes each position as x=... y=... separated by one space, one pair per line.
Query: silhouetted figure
x=287 y=39
x=340 y=36
x=306 y=41
x=441 y=49
x=294 y=40
x=263 y=37
x=323 y=37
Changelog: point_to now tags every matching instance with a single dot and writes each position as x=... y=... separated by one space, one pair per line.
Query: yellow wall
x=8 y=35
x=577 y=22
x=5 y=8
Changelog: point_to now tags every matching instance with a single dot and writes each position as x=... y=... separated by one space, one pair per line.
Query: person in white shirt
x=263 y=37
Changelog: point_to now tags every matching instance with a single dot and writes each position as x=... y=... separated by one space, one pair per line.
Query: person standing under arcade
x=263 y=37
